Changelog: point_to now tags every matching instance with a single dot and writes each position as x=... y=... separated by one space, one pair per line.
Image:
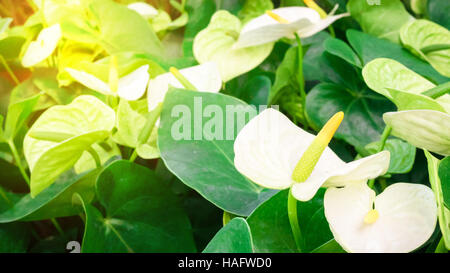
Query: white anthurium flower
x=204 y=77
x=129 y=87
x=400 y=219
x=43 y=47
x=284 y=22
x=274 y=153
x=145 y=10
x=426 y=129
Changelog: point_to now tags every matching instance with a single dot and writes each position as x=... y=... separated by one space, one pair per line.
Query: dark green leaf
x=199 y=149
x=444 y=175
x=235 y=237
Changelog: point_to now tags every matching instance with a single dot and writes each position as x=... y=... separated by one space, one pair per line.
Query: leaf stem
x=95 y=156
x=57 y=226
x=133 y=156
x=293 y=220
x=301 y=79
x=9 y=70
x=18 y=161
x=384 y=136
x=438 y=91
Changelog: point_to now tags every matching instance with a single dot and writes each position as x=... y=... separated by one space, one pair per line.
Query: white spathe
x=204 y=77
x=268 y=148
x=43 y=47
x=145 y=10
x=130 y=87
x=407 y=217
x=301 y=20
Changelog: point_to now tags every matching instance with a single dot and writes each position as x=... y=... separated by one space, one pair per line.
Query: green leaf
x=287 y=77
x=235 y=237
x=141 y=214
x=14 y=237
x=444 y=176
x=438 y=11
x=369 y=48
x=402 y=154
x=342 y=50
x=383 y=20
x=54 y=201
x=443 y=212
x=402 y=85
x=4 y=24
x=420 y=34
x=121 y=29
x=271 y=230
x=253 y=9
x=199 y=149
x=215 y=43
x=131 y=120
x=426 y=129
x=10 y=47
x=363 y=111
x=200 y=11
x=255 y=91
x=18 y=113
x=57 y=140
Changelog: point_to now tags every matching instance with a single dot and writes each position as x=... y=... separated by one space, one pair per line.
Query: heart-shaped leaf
x=402 y=154
x=196 y=140
x=234 y=237
x=59 y=137
x=215 y=43
x=134 y=197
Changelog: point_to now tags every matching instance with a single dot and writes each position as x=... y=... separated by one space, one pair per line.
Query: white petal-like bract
x=145 y=10
x=43 y=47
x=269 y=147
x=407 y=215
x=205 y=77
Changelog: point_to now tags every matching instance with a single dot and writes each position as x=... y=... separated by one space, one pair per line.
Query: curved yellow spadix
x=312 y=5
x=277 y=17
x=311 y=156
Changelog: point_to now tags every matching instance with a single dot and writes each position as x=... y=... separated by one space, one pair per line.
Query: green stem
x=293 y=220
x=438 y=91
x=9 y=70
x=18 y=161
x=384 y=136
x=133 y=156
x=441 y=247
x=436 y=47
x=95 y=156
x=57 y=226
x=331 y=30
x=301 y=79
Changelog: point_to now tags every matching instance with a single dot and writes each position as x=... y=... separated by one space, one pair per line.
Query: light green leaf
x=443 y=212
x=215 y=43
x=402 y=154
x=121 y=29
x=18 y=113
x=420 y=34
x=131 y=119
x=57 y=140
x=234 y=237
x=141 y=215
x=444 y=176
x=383 y=20
x=253 y=9
x=199 y=149
x=426 y=129
x=391 y=78
x=4 y=25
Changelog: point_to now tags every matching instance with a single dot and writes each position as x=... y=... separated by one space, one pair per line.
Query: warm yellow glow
x=312 y=5
x=277 y=17
x=371 y=217
x=311 y=156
